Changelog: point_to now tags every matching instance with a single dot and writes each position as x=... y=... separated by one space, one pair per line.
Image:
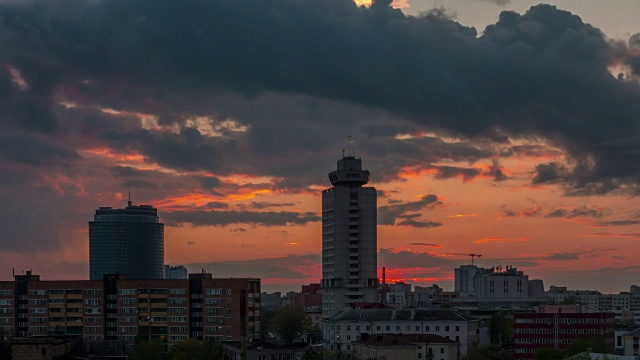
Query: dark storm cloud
x=408 y=259
x=217 y=205
x=634 y=60
x=582 y=211
x=267 y=204
x=551 y=172
x=388 y=214
x=447 y=172
x=224 y=218
x=540 y=74
x=529 y=212
x=617 y=223
x=35 y=151
x=497 y=2
x=425 y=244
x=140 y=184
x=128 y=171
x=188 y=150
x=418 y=223
x=563 y=256
x=208 y=182
x=289 y=267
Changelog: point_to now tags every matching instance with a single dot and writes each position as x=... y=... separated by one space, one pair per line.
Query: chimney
x=384 y=275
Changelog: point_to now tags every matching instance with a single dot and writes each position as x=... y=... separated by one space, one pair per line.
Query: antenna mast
x=129 y=202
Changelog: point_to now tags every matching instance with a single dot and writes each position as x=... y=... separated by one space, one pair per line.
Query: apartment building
x=558 y=328
x=117 y=308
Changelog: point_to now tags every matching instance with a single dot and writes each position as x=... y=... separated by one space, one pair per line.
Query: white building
x=349 y=326
x=349 y=238
x=398 y=293
x=464 y=280
x=405 y=347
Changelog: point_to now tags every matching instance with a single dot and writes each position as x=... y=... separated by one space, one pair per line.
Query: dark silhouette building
x=349 y=238
x=126 y=241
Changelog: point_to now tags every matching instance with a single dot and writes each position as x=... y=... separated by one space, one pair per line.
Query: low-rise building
x=341 y=330
x=405 y=347
x=558 y=328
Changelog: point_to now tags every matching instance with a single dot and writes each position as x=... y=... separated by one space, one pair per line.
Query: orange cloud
x=487 y=240
x=108 y=153
x=457 y=216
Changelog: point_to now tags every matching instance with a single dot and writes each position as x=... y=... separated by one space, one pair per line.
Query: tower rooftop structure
x=349 y=173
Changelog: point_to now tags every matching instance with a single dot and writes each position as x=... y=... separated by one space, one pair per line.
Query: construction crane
x=473 y=256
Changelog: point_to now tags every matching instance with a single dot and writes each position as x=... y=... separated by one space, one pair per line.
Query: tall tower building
x=126 y=241
x=349 y=238
x=464 y=277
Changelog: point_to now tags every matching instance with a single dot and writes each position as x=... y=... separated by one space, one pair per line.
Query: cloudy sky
x=495 y=127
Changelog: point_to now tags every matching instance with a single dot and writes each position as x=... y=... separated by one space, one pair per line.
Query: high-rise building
x=175 y=272
x=126 y=241
x=349 y=238
x=465 y=276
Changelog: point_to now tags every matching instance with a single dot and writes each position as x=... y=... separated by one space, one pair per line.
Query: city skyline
x=517 y=142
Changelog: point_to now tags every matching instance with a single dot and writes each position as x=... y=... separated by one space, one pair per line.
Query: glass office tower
x=126 y=241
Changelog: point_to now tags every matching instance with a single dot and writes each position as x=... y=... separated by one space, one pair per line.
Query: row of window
x=398 y=328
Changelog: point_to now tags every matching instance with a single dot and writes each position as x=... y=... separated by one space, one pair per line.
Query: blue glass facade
x=126 y=241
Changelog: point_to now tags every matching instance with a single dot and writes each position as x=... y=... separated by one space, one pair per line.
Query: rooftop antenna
x=350 y=147
x=129 y=202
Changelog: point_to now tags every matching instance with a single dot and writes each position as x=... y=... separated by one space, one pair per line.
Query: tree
x=548 y=354
x=149 y=350
x=597 y=344
x=474 y=352
x=289 y=322
x=265 y=322
x=500 y=329
x=194 y=349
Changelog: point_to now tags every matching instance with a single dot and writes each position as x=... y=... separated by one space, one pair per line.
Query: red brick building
x=311 y=295
x=121 y=309
x=559 y=329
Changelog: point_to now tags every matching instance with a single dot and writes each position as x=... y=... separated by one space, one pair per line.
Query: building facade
x=349 y=238
x=177 y=272
x=464 y=280
x=340 y=331
x=126 y=241
x=118 y=308
x=406 y=347
x=558 y=329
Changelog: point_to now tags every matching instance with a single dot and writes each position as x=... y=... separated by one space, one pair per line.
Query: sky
x=509 y=129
